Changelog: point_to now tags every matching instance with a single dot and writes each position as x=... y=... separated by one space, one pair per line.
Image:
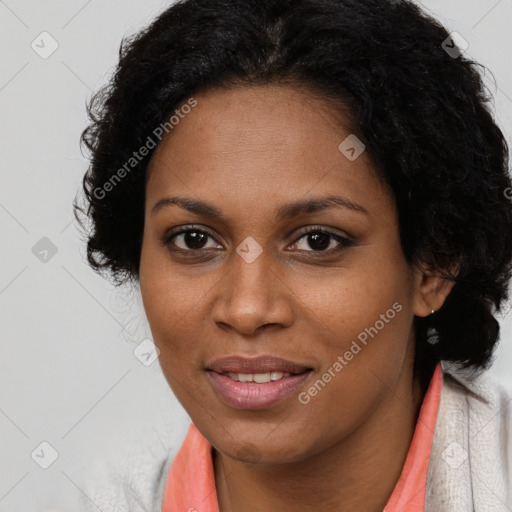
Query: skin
x=247 y=151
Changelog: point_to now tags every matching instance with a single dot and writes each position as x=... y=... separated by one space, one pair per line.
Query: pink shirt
x=190 y=484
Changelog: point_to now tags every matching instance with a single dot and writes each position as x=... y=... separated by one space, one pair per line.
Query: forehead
x=262 y=140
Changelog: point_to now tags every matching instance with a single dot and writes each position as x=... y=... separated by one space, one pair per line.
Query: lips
x=256 y=383
x=257 y=365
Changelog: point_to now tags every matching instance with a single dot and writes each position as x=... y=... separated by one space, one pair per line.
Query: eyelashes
x=194 y=239
x=311 y=234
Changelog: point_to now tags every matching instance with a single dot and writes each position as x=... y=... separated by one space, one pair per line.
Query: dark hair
x=422 y=112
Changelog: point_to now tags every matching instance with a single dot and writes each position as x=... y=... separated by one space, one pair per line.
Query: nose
x=252 y=295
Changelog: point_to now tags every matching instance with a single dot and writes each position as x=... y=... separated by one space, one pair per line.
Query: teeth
x=259 y=378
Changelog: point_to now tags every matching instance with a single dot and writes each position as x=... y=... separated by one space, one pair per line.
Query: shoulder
x=481 y=387
x=481 y=397
x=133 y=480
x=471 y=458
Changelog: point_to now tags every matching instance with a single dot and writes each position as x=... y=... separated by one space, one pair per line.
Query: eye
x=322 y=240
x=189 y=239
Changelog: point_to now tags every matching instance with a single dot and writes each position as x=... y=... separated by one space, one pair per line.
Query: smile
x=259 y=378
x=256 y=391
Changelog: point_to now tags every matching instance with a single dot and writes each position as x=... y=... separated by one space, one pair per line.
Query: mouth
x=260 y=365
x=256 y=383
x=259 y=378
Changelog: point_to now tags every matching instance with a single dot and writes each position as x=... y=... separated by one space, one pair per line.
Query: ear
x=430 y=290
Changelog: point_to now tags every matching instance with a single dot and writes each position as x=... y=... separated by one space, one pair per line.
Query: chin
x=262 y=453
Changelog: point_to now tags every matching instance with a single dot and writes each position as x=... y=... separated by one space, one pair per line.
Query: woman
x=312 y=196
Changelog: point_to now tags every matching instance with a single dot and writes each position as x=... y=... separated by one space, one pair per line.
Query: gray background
x=68 y=375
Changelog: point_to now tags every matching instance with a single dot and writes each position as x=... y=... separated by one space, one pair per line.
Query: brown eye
x=190 y=239
x=321 y=240
x=193 y=239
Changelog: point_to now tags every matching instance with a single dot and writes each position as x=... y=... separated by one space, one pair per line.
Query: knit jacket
x=470 y=467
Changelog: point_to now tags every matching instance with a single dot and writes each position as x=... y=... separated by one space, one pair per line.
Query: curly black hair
x=422 y=111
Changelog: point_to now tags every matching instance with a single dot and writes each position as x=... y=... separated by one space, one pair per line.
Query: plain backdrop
x=68 y=373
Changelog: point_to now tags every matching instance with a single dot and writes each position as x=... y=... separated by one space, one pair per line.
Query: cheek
x=168 y=294
x=171 y=308
x=165 y=297
x=350 y=299
x=362 y=314
x=174 y=300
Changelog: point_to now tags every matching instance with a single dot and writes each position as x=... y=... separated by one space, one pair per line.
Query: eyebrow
x=284 y=212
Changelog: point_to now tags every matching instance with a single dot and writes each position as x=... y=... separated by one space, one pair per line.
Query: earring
x=433 y=311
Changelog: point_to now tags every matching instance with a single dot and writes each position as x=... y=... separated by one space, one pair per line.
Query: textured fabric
x=470 y=468
x=191 y=483
x=132 y=481
x=471 y=462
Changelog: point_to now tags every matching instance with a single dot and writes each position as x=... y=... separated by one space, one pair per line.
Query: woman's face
x=249 y=283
